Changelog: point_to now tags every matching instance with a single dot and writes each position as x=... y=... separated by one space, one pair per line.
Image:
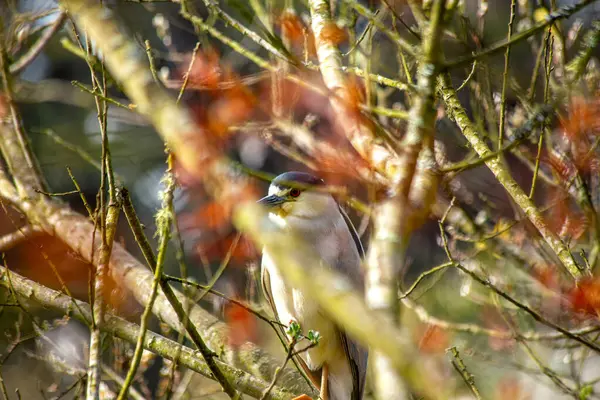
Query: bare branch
x=22 y=235
x=457 y=112
x=27 y=58
x=36 y=293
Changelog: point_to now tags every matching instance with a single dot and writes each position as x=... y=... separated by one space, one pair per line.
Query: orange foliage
x=38 y=257
x=298 y=35
x=3 y=106
x=218 y=249
x=336 y=167
x=551 y=302
x=509 y=388
x=434 y=340
x=583 y=118
x=580 y=126
x=311 y=47
x=547 y=276
x=493 y=320
x=563 y=218
x=205 y=71
x=242 y=324
x=210 y=216
x=51 y=263
x=355 y=93
x=333 y=33
x=289 y=93
x=231 y=107
x=584 y=298
x=184 y=177
x=225 y=107
x=559 y=164
x=292 y=27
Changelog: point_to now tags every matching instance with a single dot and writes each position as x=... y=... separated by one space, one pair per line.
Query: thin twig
x=229 y=20
x=460 y=366
x=25 y=168
x=163 y=222
x=3 y=387
x=186 y=77
x=207 y=354
x=81 y=195
x=372 y=17
x=102 y=96
x=457 y=113
x=121 y=328
x=19 y=65
x=424 y=275
x=474 y=329
x=288 y=357
x=502 y=118
x=519 y=304
x=562 y=13
x=151 y=61
x=94 y=364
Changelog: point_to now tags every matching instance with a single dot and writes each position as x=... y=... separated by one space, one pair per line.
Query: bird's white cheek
x=277 y=219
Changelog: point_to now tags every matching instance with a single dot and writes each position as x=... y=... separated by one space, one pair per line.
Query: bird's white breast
x=330 y=239
x=293 y=304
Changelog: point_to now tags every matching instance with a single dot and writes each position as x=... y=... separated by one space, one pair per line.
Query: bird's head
x=293 y=194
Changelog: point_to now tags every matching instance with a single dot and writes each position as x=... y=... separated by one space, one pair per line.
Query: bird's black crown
x=304 y=179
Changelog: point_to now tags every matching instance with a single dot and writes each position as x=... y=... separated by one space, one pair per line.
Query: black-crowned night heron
x=337 y=365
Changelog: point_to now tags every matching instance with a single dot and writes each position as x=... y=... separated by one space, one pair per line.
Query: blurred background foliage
x=55 y=110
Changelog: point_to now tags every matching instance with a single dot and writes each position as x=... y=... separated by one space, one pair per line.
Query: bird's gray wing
x=353 y=232
x=357 y=357
x=265 y=281
x=312 y=377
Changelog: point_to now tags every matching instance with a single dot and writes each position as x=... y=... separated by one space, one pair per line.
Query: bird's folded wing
x=357 y=360
x=353 y=232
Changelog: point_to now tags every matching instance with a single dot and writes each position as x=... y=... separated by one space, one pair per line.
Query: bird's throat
x=278 y=217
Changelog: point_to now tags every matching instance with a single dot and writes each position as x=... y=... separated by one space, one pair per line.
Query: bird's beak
x=271 y=201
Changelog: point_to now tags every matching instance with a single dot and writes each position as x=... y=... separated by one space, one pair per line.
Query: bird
x=297 y=203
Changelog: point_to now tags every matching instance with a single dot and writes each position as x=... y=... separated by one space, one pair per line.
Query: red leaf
x=292 y=27
x=510 y=388
x=205 y=71
x=434 y=340
x=232 y=107
x=583 y=118
x=242 y=324
x=218 y=249
x=584 y=298
x=333 y=33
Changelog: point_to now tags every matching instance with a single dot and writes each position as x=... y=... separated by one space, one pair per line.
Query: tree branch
x=458 y=114
x=27 y=58
x=196 y=153
x=33 y=293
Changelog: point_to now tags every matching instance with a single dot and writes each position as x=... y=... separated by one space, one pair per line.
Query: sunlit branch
x=38 y=294
x=457 y=112
x=22 y=235
x=562 y=13
x=164 y=220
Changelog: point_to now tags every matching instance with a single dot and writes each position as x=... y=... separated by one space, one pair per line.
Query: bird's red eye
x=295 y=192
